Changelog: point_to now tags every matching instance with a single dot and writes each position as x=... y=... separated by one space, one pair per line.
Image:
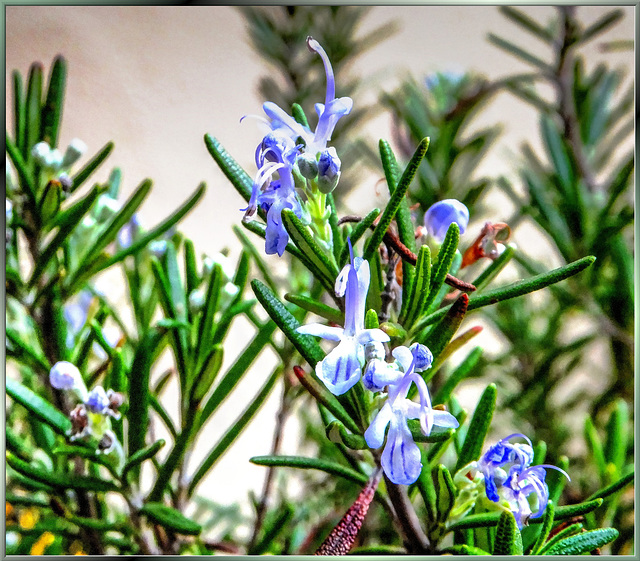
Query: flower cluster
x=91 y=417
x=509 y=480
x=294 y=153
x=341 y=369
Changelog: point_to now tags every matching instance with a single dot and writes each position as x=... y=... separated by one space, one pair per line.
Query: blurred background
x=156 y=79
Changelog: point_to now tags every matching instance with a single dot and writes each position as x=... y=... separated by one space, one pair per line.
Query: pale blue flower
x=401 y=460
x=97 y=400
x=341 y=368
x=442 y=214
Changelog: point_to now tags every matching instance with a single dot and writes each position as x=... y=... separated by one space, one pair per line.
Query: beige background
x=155 y=79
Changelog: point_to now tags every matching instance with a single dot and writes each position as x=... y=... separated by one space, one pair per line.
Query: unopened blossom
x=401 y=459
x=341 y=369
x=442 y=214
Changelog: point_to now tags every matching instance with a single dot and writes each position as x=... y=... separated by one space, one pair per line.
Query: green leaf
x=613 y=488
x=420 y=288
x=140 y=456
x=442 y=265
x=584 y=542
x=233 y=170
x=207 y=374
x=238 y=426
x=113 y=227
x=507 y=534
x=337 y=240
x=170 y=518
x=557 y=153
x=445 y=491
x=595 y=447
x=236 y=371
x=464 y=549
x=21 y=167
x=520 y=53
x=160 y=229
x=445 y=329
x=61 y=481
x=601 y=25
x=323 y=267
x=396 y=200
x=478 y=427
x=138 y=413
x=615 y=448
x=272 y=529
x=305 y=344
x=38 y=406
x=298 y=114
x=50 y=202
x=33 y=109
x=337 y=432
x=515 y=289
x=312 y=305
x=527 y=23
x=491 y=518
x=547 y=524
x=24 y=352
x=261 y=230
x=52 y=110
x=92 y=165
x=205 y=327
x=19 y=122
x=358 y=231
x=300 y=462
x=190 y=267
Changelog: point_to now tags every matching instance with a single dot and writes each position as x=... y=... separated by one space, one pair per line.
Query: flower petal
x=444 y=419
x=341 y=368
x=367 y=335
x=324 y=331
x=404 y=357
x=401 y=456
x=374 y=435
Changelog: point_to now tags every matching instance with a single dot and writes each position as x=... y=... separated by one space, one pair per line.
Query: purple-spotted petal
x=340 y=370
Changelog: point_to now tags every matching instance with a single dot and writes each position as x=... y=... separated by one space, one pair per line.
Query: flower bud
x=423 y=357
x=40 y=153
x=73 y=153
x=158 y=248
x=196 y=300
x=105 y=208
x=328 y=170
x=442 y=214
x=308 y=166
x=65 y=376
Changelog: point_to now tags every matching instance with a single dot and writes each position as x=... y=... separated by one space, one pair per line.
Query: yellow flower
x=28 y=518
x=44 y=541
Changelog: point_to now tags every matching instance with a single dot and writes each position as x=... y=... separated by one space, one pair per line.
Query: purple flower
x=401 y=460
x=65 y=376
x=442 y=214
x=340 y=370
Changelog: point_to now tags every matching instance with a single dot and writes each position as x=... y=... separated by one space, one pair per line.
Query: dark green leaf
x=92 y=165
x=478 y=427
x=140 y=456
x=238 y=426
x=233 y=170
x=52 y=110
x=170 y=518
x=520 y=53
x=601 y=25
x=33 y=109
x=508 y=540
x=442 y=266
x=396 y=199
x=21 y=167
x=547 y=524
x=38 y=406
x=445 y=491
x=515 y=289
x=584 y=542
x=359 y=230
x=207 y=374
x=420 y=288
x=313 y=306
x=613 y=488
x=459 y=374
x=527 y=23
x=305 y=344
x=300 y=462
